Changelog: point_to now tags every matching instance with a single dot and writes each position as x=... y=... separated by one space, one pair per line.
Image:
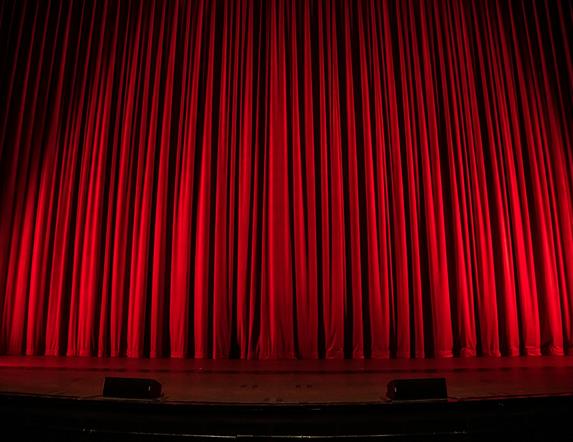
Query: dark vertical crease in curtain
x=280 y=179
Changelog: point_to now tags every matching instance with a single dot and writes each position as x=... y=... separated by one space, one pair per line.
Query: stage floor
x=287 y=382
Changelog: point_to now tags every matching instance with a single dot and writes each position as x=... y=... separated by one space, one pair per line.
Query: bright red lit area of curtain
x=280 y=179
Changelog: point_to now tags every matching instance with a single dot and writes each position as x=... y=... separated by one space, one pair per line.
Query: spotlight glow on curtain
x=279 y=179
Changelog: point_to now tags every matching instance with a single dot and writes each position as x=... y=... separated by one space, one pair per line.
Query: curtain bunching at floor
x=281 y=179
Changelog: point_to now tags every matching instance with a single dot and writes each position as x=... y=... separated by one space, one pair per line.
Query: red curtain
x=280 y=179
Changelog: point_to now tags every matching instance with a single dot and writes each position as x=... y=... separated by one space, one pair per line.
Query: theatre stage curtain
x=281 y=179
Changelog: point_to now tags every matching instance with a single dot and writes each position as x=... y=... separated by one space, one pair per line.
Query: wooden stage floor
x=287 y=382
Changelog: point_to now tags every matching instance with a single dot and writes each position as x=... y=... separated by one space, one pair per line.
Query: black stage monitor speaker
x=417 y=389
x=133 y=388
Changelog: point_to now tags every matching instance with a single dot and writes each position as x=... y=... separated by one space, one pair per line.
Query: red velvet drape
x=279 y=179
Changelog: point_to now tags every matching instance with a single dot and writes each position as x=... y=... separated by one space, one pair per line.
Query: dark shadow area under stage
x=61 y=398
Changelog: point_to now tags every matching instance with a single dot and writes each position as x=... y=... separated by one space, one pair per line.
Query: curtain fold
x=286 y=179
